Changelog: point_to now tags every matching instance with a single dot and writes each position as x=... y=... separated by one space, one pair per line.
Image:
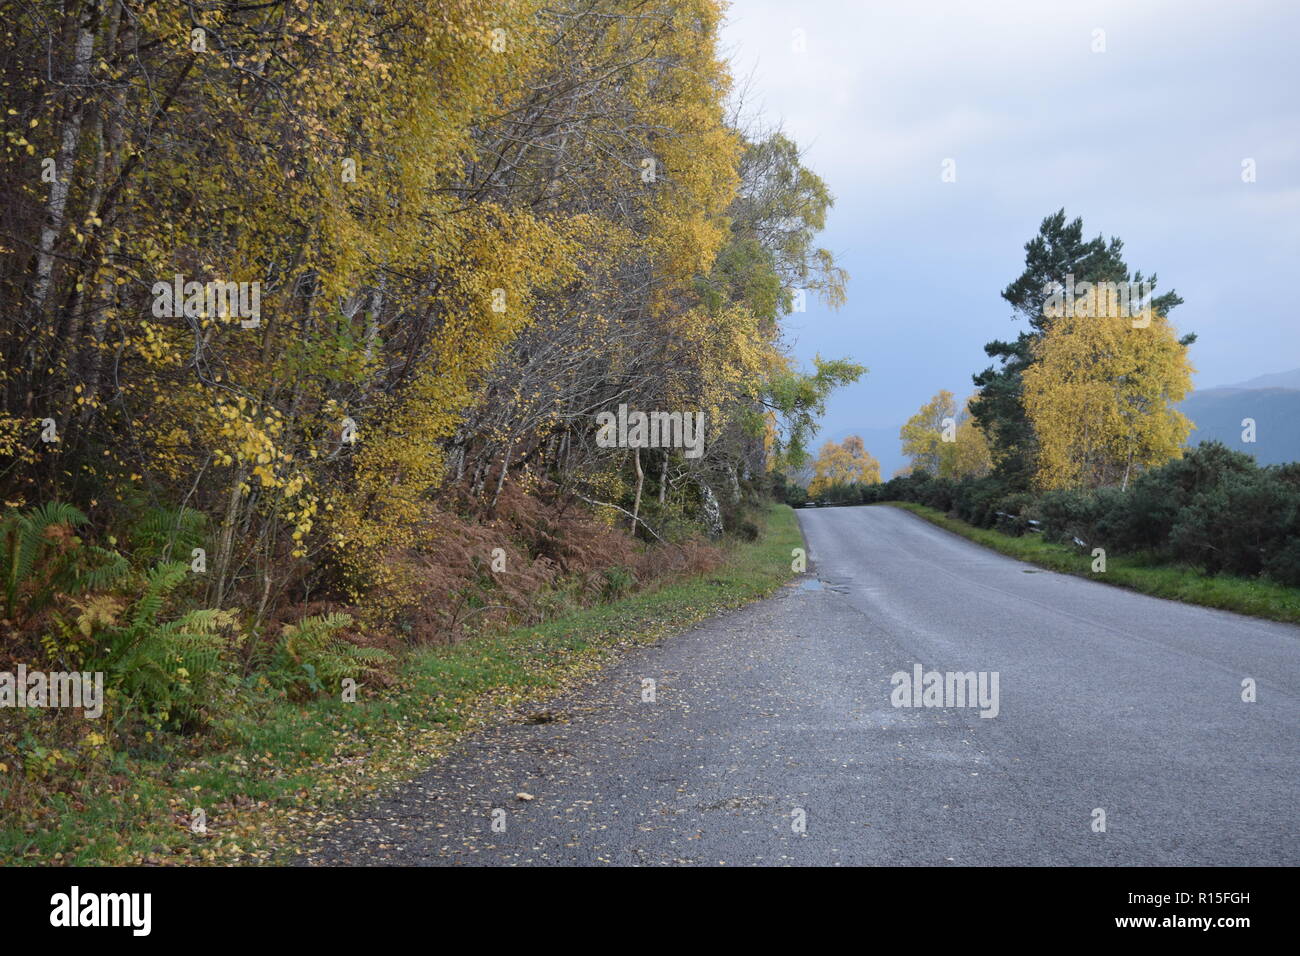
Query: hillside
x=1273 y=401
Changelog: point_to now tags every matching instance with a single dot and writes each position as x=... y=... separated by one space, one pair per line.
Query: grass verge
x=292 y=766
x=1177 y=582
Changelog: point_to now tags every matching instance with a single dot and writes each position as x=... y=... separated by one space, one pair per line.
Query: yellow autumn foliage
x=843 y=463
x=1101 y=397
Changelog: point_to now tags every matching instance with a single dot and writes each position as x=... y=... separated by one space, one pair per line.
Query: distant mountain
x=1289 y=379
x=1273 y=401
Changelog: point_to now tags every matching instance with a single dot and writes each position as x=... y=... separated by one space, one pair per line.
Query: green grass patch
x=288 y=768
x=1257 y=597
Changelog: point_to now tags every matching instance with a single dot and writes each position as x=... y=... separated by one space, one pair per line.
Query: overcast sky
x=1144 y=140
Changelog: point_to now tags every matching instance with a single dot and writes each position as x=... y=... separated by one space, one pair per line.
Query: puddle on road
x=816 y=584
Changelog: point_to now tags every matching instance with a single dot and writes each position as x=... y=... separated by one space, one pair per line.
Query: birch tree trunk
x=640 y=480
x=57 y=205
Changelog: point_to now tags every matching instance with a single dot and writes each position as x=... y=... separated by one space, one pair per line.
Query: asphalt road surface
x=773 y=739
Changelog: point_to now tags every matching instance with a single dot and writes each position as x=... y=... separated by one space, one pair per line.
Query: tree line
x=470 y=227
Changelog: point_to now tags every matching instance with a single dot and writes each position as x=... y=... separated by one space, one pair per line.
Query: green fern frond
x=23 y=540
x=163 y=531
x=160 y=582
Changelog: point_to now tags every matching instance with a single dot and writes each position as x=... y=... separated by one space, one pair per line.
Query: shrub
x=312 y=658
x=42 y=559
x=168 y=671
x=1239 y=525
x=619 y=581
x=785 y=490
x=1012 y=513
x=1284 y=565
x=976 y=500
x=938 y=493
x=1158 y=497
x=163 y=534
x=1066 y=514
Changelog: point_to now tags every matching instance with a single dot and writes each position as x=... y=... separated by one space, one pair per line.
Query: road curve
x=772 y=738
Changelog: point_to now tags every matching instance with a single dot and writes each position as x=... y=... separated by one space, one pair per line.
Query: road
x=772 y=738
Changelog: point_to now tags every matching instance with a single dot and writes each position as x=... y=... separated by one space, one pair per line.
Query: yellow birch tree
x=1101 y=397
